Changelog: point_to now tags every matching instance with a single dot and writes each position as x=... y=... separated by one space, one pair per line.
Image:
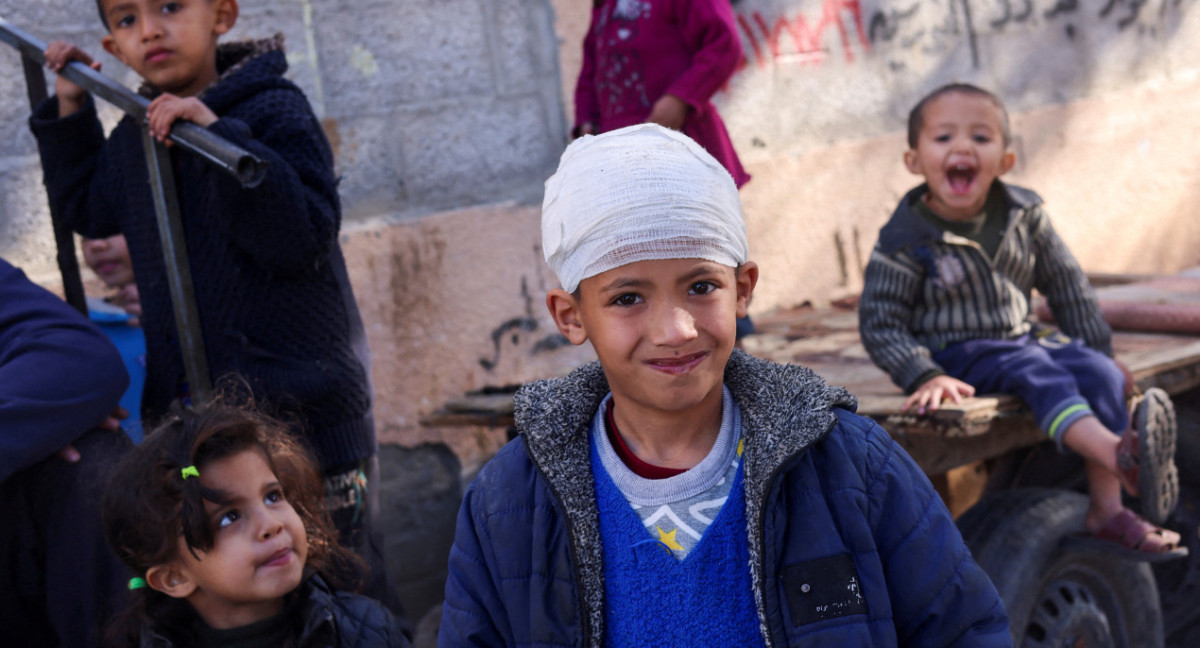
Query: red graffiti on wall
x=807 y=38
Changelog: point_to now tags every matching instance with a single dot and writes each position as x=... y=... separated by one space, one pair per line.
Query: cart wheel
x=1057 y=598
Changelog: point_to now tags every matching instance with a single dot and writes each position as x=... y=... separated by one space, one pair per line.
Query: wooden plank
x=1176 y=352
x=936 y=454
x=962 y=419
x=1103 y=279
x=498 y=403
x=442 y=418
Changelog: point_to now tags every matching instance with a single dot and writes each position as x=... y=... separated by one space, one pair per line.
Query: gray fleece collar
x=785 y=409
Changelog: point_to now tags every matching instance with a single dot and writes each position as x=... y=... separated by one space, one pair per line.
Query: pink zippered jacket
x=636 y=51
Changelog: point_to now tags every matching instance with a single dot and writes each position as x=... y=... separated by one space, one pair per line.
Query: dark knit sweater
x=271 y=287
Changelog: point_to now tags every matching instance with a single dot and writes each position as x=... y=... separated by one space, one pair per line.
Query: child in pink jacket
x=660 y=61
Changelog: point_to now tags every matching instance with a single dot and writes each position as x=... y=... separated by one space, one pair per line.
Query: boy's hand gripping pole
x=234 y=160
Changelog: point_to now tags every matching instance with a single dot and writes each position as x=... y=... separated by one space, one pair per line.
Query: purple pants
x=1059 y=378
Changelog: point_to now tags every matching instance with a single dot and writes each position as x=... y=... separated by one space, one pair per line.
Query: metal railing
x=230 y=158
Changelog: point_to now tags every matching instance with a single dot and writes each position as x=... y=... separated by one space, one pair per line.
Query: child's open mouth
x=960 y=177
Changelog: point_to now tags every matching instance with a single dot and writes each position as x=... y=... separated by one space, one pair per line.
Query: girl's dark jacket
x=271 y=287
x=331 y=620
x=849 y=544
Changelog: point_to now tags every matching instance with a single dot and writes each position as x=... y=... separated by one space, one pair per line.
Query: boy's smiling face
x=259 y=550
x=960 y=151
x=172 y=44
x=663 y=329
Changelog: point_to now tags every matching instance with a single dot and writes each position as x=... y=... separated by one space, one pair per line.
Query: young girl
x=660 y=61
x=219 y=513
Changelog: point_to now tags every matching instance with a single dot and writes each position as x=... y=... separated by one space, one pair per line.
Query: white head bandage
x=636 y=194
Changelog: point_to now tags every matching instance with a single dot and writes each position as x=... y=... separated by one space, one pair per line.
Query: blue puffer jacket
x=849 y=544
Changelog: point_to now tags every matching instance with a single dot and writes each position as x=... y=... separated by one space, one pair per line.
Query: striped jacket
x=926 y=288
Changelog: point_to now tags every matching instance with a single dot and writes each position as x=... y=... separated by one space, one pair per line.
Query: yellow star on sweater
x=669 y=539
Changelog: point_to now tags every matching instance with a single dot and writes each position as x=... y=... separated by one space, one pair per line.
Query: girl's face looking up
x=259 y=550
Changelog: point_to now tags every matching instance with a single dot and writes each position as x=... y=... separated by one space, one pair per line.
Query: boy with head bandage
x=679 y=491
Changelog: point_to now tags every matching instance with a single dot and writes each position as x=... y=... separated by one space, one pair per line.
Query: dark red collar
x=639 y=467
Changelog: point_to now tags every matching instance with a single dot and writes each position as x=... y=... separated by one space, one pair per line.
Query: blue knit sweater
x=655 y=599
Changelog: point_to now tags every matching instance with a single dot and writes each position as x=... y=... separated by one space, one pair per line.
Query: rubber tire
x=1053 y=597
x=1187 y=442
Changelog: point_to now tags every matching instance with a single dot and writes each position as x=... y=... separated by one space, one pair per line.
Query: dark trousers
x=59 y=581
x=1050 y=373
x=352 y=494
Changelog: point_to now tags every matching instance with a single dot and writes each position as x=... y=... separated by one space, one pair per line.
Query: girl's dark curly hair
x=149 y=505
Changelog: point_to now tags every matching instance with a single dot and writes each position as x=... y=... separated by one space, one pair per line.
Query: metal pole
x=175 y=256
x=234 y=160
x=68 y=263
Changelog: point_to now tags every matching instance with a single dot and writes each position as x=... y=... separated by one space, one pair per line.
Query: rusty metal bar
x=175 y=257
x=68 y=263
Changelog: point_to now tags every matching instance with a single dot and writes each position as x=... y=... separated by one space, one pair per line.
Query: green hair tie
x=190 y=471
x=137 y=583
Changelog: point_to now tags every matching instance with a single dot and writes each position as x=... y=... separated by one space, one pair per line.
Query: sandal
x=1129 y=536
x=1146 y=456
